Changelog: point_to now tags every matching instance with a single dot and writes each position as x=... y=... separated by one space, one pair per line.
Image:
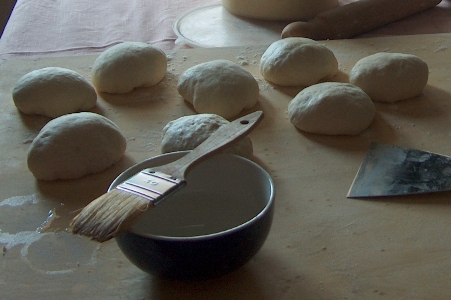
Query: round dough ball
x=53 y=92
x=297 y=62
x=75 y=145
x=219 y=87
x=129 y=65
x=390 y=77
x=332 y=108
x=187 y=132
x=278 y=9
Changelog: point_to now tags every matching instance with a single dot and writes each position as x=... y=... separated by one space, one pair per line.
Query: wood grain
x=322 y=245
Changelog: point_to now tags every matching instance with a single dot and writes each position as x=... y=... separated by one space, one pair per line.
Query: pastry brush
x=117 y=210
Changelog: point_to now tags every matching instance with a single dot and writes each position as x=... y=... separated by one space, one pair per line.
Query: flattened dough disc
x=213 y=26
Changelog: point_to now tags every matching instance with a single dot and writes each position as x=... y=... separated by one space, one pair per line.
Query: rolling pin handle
x=356 y=18
x=300 y=29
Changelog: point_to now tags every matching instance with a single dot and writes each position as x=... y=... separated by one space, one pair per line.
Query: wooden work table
x=322 y=245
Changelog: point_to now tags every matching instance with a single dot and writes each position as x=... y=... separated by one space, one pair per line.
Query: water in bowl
x=188 y=214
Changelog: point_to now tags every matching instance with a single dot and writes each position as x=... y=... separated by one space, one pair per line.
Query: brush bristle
x=109 y=215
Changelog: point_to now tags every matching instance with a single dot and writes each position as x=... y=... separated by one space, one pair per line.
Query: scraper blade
x=389 y=170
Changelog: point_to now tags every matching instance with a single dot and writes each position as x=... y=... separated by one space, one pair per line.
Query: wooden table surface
x=322 y=245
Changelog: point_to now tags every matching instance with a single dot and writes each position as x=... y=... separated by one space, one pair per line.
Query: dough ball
x=390 y=77
x=53 y=92
x=75 y=145
x=219 y=87
x=129 y=65
x=187 y=132
x=332 y=108
x=278 y=9
x=297 y=62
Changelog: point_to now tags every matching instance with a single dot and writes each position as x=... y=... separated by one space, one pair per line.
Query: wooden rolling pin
x=356 y=18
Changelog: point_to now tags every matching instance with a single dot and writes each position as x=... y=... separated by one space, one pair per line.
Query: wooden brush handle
x=217 y=141
x=356 y=18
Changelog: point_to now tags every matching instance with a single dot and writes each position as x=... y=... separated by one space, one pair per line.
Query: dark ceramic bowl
x=213 y=225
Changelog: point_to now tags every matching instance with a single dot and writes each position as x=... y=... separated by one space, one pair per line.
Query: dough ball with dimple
x=75 y=145
x=219 y=87
x=332 y=108
x=53 y=92
x=186 y=133
x=129 y=65
x=390 y=77
x=297 y=62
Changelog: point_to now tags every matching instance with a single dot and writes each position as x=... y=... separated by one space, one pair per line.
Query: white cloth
x=84 y=26
x=68 y=27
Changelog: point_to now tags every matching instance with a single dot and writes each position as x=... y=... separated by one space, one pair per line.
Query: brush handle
x=356 y=18
x=217 y=141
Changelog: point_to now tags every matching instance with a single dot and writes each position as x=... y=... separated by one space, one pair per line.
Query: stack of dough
x=295 y=10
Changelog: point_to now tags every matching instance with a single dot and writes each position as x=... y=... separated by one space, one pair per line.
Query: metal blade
x=389 y=170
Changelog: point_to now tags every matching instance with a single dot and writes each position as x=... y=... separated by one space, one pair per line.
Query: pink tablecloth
x=70 y=27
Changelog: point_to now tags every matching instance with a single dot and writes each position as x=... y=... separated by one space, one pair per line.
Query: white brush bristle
x=109 y=215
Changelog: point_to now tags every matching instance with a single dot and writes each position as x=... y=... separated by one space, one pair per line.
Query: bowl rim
x=145 y=164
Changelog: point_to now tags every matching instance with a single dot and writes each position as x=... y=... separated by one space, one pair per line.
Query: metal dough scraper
x=389 y=170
